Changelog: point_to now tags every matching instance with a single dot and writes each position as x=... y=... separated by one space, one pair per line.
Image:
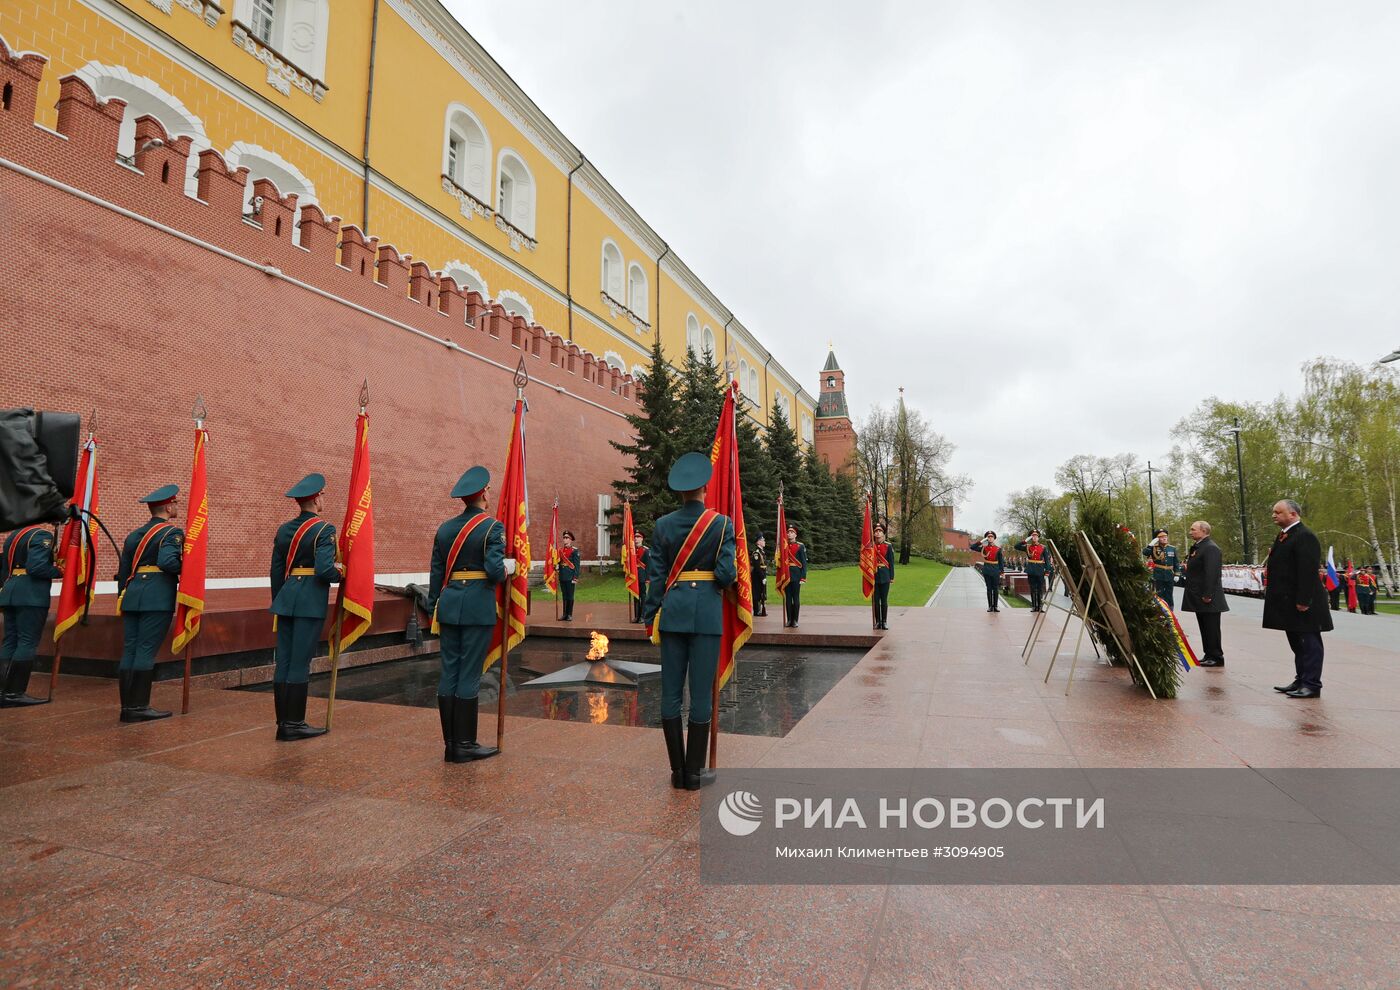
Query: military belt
x=696 y=576
x=302 y=572
x=148 y=569
x=468 y=576
x=19 y=572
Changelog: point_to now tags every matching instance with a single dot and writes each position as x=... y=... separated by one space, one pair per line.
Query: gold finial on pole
x=364 y=396
x=522 y=378
x=199 y=413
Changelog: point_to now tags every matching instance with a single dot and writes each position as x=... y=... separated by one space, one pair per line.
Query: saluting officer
x=992 y=563
x=469 y=561
x=758 y=570
x=303 y=569
x=884 y=577
x=147 y=579
x=29 y=568
x=1036 y=563
x=1366 y=585
x=797 y=575
x=568 y=572
x=691 y=563
x=639 y=548
x=1163 y=562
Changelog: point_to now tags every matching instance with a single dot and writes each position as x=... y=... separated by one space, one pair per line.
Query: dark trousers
x=760 y=593
x=1037 y=584
x=1336 y=597
x=1166 y=591
x=636 y=609
x=1307 y=658
x=24 y=625
x=567 y=587
x=296 y=645
x=1367 y=603
x=792 y=601
x=689 y=657
x=142 y=634
x=881 y=599
x=463 y=653
x=1209 y=623
x=993 y=579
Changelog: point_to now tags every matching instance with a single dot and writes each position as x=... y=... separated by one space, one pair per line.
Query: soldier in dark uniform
x=147 y=579
x=992 y=563
x=884 y=577
x=568 y=572
x=797 y=576
x=639 y=548
x=469 y=561
x=1366 y=584
x=1037 y=560
x=1163 y=562
x=303 y=569
x=29 y=569
x=758 y=570
x=696 y=544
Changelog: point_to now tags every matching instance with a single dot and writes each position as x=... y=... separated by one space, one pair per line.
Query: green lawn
x=1387 y=608
x=913 y=584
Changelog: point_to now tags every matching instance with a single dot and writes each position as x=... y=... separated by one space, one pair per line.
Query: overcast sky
x=1057 y=225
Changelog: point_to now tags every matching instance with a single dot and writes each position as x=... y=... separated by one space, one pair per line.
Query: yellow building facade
x=388 y=114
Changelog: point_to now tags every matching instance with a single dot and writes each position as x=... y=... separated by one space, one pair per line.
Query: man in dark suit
x=1295 y=599
x=1204 y=594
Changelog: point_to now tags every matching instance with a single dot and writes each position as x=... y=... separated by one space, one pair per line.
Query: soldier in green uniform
x=147 y=578
x=639 y=548
x=884 y=577
x=29 y=569
x=692 y=561
x=1165 y=566
x=469 y=561
x=993 y=561
x=568 y=572
x=1037 y=564
x=758 y=564
x=303 y=569
x=797 y=576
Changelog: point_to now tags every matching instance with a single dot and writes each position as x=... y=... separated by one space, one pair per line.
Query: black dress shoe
x=1210 y=663
x=1288 y=687
x=1304 y=692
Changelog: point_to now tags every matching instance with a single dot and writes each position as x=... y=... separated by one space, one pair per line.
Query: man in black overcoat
x=1295 y=599
x=1204 y=594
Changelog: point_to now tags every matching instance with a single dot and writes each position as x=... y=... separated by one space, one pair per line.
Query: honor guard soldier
x=884 y=577
x=796 y=555
x=640 y=549
x=29 y=570
x=147 y=580
x=303 y=569
x=758 y=570
x=992 y=563
x=568 y=572
x=1366 y=585
x=1162 y=561
x=1037 y=561
x=684 y=608
x=469 y=561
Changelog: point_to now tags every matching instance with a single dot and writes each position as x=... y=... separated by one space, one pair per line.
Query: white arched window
x=466 y=152
x=692 y=334
x=785 y=406
x=297 y=30
x=515 y=193
x=743 y=377
x=807 y=427
x=515 y=303
x=707 y=341
x=637 y=290
x=612 y=270
x=264 y=164
x=466 y=277
x=144 y=97
x=753 y=384
x=614 y=360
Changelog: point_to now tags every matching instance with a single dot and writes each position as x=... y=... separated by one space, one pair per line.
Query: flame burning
x=597 y=706
x=597 y=648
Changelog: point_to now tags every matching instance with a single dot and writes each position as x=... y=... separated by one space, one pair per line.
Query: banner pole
x=505 y=656
x=714 y=722
x=53 y=672
x=185 y=701
x=335 y=656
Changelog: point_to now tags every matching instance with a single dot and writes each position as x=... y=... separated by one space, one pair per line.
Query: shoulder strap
x=692 y=540
x=14 y=544
x=461 y=539
x=296 y=542
x=146 y=541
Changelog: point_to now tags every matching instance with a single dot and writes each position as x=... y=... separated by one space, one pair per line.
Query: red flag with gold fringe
x=724 y=496
x=189 y=601
x=867 y=555
x=629 y=553
x=551 y=553
x=783 y=573
x=357 y=543
x=77 y=548
x=512 y=597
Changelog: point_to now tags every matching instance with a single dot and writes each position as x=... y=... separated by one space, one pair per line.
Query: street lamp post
x=1239 y=470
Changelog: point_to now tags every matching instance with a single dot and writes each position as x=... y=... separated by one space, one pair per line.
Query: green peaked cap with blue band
x=162 y=494
x=691 y=471
x=312 y=484
x=475 y=480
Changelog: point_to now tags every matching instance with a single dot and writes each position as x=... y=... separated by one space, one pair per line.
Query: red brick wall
x=104 y=312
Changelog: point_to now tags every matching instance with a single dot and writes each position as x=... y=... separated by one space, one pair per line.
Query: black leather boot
x=697 y=745
x=139 y=698
x=675 y=749
x=17 y=683
x=465 y=748
x=445 y=717
x=294 y=711
x=124 y=691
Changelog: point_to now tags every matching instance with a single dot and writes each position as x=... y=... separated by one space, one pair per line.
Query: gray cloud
x=1059 y=226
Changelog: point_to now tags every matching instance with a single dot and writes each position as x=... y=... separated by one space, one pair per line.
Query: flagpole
x=85 y=536
x=553 y=535
x=521 y=378
x=340 y=593
x=199 y=413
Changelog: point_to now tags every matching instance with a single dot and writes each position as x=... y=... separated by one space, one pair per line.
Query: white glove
x=510 y=565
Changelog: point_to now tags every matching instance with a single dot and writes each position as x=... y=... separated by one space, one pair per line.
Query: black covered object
x=38 y=464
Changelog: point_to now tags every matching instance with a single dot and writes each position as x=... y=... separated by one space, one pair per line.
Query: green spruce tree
x=786 y=459
x=701 y=389
x=656 y=427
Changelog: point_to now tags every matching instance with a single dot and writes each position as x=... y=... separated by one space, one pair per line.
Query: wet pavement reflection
x=772 y=689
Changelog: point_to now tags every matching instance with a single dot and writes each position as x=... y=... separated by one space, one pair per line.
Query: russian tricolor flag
x=1332 y=580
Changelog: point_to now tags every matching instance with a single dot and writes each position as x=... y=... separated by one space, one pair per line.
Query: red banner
x=189 y=602
x=551 y=553
x=629 y=553
x=77 y=548
x=512 y=597
x=783 y=573
x=724 y=496
x=357 y=544
x=867 y=555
